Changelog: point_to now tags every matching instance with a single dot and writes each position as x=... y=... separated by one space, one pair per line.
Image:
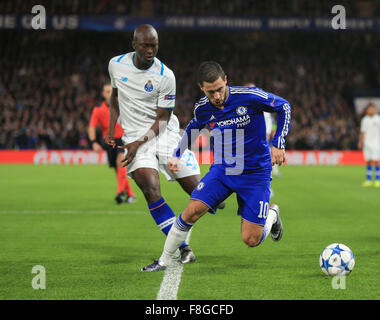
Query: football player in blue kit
x=242 y=160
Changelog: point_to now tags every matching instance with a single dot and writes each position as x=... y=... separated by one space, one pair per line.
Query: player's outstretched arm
x=114 y=115
x=192 y=132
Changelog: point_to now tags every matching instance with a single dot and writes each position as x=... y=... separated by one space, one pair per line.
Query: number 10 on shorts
x=263 y=209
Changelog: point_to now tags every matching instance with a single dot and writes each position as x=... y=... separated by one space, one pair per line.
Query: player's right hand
x=278 y=156
x=173 y=164
x=108 y=138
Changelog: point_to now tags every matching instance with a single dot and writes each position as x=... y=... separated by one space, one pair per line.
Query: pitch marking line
x=172 y=279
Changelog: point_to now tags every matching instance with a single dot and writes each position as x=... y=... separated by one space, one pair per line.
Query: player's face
x=371 y=111
x=107 y=92
x=146 y=49
x=216 y=91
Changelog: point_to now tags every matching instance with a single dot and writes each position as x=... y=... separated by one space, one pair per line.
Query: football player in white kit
x=143 y=98
x=369 y=141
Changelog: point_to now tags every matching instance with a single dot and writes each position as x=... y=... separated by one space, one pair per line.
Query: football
x=337 y=259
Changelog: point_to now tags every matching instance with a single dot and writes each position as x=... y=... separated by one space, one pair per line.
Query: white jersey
x=370 y=126
x=140 y=93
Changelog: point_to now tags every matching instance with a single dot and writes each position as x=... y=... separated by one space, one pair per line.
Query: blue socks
x=163 y=215
x=369 y=172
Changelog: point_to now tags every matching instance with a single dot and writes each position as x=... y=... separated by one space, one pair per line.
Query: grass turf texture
x=65 y=219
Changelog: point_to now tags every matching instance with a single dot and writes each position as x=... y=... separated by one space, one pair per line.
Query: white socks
x=173 y=241
x=271 y=219
x=178 y=233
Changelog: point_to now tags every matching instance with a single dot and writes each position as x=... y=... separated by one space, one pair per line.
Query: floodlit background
x=64 y=217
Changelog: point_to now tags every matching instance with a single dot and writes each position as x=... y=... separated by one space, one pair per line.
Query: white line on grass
x=172 y=279
x=170 y=282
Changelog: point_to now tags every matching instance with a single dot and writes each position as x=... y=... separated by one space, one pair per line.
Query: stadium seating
x=50 y=80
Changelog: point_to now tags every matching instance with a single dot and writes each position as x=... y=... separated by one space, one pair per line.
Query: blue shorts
x=252 y=192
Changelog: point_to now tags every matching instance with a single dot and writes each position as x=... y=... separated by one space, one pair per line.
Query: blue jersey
x=238 y=131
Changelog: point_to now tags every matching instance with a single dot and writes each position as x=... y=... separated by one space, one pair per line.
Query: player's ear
x=225 y=79
x=200 y=86
x=134 y=45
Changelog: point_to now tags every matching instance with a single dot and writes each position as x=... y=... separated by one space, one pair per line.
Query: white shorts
x=156 y=154
x=371 y=153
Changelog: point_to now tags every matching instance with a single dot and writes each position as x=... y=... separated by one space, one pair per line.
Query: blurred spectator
x=190 y=7
x=50 y=80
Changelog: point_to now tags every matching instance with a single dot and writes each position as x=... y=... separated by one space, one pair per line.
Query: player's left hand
x=131 y=152
x=173 y=164
x=278 y=156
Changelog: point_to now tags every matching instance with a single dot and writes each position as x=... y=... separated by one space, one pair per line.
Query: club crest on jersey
x=200 y=186
x=148 y=86
x=241 y=111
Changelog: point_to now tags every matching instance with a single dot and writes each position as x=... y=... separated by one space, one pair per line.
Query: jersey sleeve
x=192 y=132
x=110 y=71
x=269 y=102
x=94 y=120
x=167 y=92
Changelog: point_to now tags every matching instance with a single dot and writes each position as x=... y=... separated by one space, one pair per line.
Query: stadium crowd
x=50 y=80
x=189 y=7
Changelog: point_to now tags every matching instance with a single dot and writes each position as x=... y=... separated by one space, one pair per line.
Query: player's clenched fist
x=173 y=164
x=278 y=156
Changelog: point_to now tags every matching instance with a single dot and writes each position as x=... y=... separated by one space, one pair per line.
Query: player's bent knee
x=152 y=194
x=252 y=240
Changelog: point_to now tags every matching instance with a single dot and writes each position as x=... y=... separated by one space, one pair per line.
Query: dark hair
x=209 y=71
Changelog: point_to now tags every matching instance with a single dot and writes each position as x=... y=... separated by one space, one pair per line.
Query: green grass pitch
x=65 y=219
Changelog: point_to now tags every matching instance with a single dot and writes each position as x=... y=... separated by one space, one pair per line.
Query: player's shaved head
x=145 y=43
x=145 y=31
